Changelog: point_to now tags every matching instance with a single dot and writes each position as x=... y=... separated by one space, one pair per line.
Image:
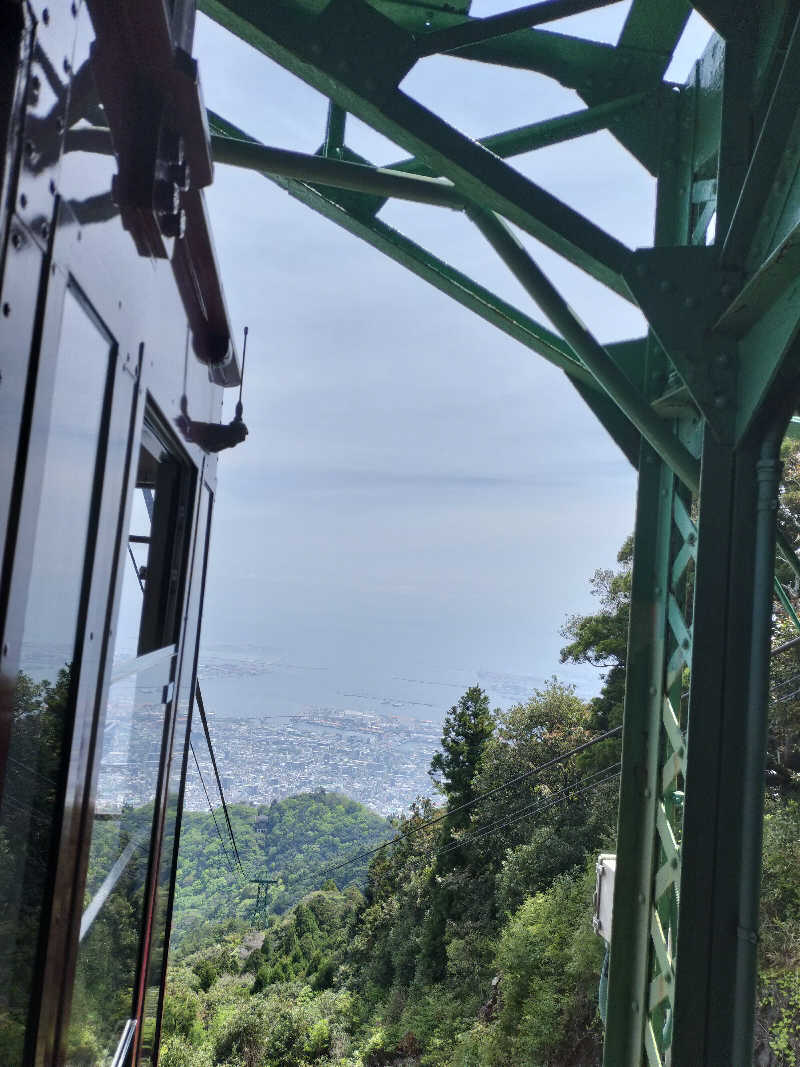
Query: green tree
x=468 y=725
x=602 y=639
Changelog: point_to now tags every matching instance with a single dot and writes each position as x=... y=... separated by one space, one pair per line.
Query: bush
x=243 y=1034
x=181 y=1013
x=176 y=1053
x=780 y=886
x=318 y=1041
x=550 y=962
x=207 y=974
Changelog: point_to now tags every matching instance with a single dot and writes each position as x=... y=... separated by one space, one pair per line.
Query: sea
x=253 y=681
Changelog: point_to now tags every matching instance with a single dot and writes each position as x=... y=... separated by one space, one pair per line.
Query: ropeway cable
x=604 y=775
x=211 y=809
x=204 y=721
x=477 y=799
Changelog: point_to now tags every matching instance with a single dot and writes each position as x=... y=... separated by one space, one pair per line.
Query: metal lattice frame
x=699 y=405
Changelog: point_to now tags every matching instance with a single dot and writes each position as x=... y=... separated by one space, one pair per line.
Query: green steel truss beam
x=441 y=275
x=334 y=131
x=592 y=354
x=475 y=31
x=772 y=149
x=623 y=360
x=554 y=131
x=655 y=26
x=336 y=54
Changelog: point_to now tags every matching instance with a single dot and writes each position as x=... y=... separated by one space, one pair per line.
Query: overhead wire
x=526 y=775
x=604 y=775
x=211 y=809
x=204 y=721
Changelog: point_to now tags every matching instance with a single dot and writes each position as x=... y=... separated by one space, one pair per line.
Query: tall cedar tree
x=468 y=725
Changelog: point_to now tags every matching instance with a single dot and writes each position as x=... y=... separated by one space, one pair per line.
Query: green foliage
x=780 y=1001
x=468 y=725
x=304 y=835
x=484 y=962
x=176 y=1053
x=181 y=1017
x=602 y=639
x=550 y=959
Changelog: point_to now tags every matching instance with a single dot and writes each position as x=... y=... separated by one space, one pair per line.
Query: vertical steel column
x=642 y=978
x=641 y=981
x=715 y=981
x=630 y=951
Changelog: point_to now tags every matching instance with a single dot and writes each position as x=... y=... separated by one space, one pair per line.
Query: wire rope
x=204 y=721
x=478 y=799
x=604 y=775
x=211 y=809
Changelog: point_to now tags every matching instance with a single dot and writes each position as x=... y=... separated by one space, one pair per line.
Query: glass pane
x=133 y=576
x=114 y=898
x=169 y=842
x=42 y=693
x=151 y=589
x=136 y=730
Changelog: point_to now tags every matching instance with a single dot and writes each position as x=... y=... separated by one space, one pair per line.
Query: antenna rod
x=239 y=407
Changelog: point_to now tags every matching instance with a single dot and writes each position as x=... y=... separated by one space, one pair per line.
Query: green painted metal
x=655 y=26
x=475 y=31
x=339 y=173
x=788 y=607
x=334 y=131
x=630 y=971
x=698 y=404
x=434 y=270
x=589 y=351
x=305 y=47
x=551 y=131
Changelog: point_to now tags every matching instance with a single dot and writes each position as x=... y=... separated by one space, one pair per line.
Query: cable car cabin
x=115 y=348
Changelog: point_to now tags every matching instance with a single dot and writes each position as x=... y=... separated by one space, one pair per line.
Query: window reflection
x=136 y=731
x=115 y=894
x=169 y=844
x=64 y=449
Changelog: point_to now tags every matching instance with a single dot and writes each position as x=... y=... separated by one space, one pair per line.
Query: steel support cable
x=785 y=683
x=587 y=783
x=204 y=721
x=478 y=799
x=786 y=697
x=211 y=809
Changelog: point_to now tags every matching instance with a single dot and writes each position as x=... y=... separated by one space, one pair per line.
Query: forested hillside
x=302 y=836
x=471 y=944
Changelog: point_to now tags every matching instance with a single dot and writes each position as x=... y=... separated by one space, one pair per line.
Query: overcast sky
x=417 y=488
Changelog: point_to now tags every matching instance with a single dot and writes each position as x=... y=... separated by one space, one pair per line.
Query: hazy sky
x=417 y=488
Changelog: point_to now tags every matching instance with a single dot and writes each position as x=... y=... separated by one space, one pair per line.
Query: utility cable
x=477 y=799
x=604 y=775
x=211 y=809
x=204 y=721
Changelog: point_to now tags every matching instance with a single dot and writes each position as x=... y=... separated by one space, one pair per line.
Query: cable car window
x=115 y=894
x=154 y=571
x=134 y=744
x=52 y=557
x=156 y=973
